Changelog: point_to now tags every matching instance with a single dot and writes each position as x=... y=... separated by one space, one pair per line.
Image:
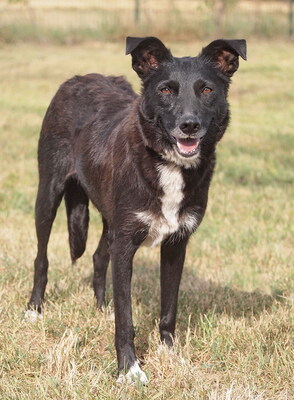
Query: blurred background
x=74 y=21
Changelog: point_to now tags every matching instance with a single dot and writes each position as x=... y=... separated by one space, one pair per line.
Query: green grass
x=235 y=321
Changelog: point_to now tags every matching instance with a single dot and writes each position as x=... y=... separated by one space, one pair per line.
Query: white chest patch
x=172 y=183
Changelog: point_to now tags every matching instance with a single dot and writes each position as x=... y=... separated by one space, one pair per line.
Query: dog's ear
x=147 y=54
x=224 y=54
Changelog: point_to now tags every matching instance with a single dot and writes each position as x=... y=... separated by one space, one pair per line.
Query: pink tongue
x=187 y=145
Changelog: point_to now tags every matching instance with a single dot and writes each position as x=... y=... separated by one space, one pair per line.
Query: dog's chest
x=167 y=221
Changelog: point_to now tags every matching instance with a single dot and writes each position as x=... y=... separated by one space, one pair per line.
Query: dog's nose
x=190 y=125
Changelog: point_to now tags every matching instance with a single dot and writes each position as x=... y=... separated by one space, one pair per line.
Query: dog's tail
x=77 y=210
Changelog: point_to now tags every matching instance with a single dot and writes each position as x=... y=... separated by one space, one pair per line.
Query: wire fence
x=77 y=20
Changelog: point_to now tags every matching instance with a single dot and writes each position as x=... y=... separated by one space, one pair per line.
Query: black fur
x=144 y=161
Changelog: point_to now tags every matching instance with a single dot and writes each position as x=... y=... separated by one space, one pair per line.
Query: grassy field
x=235 y=327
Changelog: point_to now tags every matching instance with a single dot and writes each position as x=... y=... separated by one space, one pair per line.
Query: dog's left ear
x=224 y=54
x=147 y=54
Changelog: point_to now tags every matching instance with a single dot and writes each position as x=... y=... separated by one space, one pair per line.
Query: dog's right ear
x=148 y=54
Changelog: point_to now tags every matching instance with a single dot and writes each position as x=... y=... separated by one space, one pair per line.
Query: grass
x=235 y=321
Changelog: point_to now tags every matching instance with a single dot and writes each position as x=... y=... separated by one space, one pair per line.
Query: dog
x=145 y=162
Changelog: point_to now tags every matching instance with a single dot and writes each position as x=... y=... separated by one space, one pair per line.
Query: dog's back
x=81 y=99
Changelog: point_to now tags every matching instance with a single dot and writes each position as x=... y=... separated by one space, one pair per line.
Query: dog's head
x=185 y=99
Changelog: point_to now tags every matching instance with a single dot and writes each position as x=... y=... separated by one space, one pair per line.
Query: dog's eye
x=166 y=90
x=206 y=90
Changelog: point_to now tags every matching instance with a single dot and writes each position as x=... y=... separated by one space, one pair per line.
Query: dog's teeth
x=184 y=145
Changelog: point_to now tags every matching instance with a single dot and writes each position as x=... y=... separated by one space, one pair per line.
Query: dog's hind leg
x=49 y=196
x=101 y=261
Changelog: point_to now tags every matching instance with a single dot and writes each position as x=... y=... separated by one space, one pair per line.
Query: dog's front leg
x=172 y=261
x=122 y=252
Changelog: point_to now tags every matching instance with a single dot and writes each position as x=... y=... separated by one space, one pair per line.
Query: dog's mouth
x=187 y=147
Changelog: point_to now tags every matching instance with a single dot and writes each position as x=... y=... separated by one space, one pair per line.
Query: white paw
x=32 y=316
x=135 y=374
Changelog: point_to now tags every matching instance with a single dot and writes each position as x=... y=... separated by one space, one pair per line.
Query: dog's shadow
x=197 y=297
x=199 y=300
x=200 y=296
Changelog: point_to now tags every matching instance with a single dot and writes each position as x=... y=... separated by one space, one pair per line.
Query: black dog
x=144 y=161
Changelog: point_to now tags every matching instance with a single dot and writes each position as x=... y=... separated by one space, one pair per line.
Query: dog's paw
x=134 y=375
x=32 y=316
